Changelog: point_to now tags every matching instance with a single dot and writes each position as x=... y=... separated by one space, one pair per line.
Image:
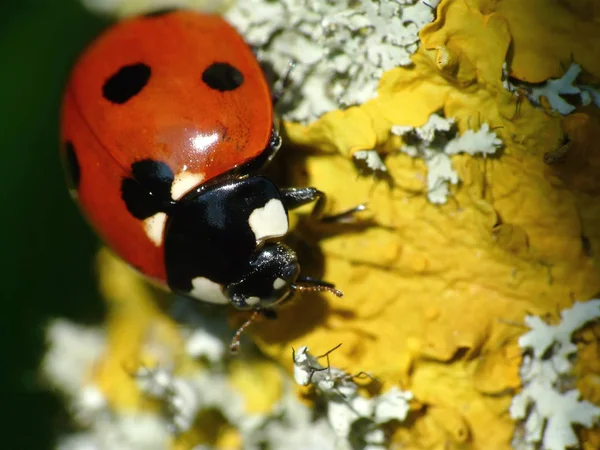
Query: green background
x=47 y=249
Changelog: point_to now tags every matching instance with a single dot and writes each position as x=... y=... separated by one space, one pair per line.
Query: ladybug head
x=272 y=279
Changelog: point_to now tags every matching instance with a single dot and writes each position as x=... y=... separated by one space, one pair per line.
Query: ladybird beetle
x=167 y=122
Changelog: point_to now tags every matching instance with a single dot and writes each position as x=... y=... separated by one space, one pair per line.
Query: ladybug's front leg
x=295 y=197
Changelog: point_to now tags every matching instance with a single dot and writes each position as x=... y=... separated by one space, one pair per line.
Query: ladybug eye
x=222 y=77
x=127 y=82
x=72 y=164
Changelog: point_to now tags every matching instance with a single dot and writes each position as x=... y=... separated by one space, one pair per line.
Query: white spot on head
x=154 y=227
x=269 y=221
x=184 y=182
x=253 y=300
x=208 y=291
x=278 y=283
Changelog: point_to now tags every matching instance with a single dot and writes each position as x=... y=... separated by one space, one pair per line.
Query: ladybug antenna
x=235 y=342
x=284 y=82
x=310 y=284
x=287 y=77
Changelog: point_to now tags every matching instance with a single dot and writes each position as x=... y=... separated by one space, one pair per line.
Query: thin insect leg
x=296 y=197
x=314 y=370
x=314 y=281
x=363 y=374
x=329 y=351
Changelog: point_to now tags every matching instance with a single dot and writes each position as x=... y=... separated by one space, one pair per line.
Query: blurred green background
x=47 y=250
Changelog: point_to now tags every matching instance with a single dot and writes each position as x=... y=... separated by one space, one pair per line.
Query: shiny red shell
x=176 y=118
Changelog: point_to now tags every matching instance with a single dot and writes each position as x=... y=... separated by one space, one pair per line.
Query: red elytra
x=159 y=107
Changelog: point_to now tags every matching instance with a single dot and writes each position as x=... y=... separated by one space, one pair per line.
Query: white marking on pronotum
x=154 y=227
x=269 y=221
x=278 y=283
x=253 y=300
x=184 y=182
x=208 y=291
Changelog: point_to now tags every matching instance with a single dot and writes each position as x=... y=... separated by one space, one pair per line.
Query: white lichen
x=291 y=425
x=180 y=398
x=435 y=142
x=553 y=90
x=75 y=351
x=340 y=47
x=112 y=431
x=355 y=419
x=548 y=411
x=371 y=160
x=72 y=350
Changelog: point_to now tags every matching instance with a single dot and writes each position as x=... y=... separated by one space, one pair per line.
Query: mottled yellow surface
x=434 y=295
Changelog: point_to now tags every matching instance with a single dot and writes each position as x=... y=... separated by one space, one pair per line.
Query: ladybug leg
x=314 y=281
x=295 y=197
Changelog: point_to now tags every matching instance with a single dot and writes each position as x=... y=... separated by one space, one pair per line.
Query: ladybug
x=167 y=123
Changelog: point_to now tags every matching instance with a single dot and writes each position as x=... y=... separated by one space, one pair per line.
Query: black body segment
x=208 y=233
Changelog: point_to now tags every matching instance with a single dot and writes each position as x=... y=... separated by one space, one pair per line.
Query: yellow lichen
x=435 y=296
x=260 y=381
x=548 y=36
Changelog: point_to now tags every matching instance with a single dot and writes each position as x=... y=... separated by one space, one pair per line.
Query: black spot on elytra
x=126 y=83
x=160 y=12
x=148 y=190
x=72 y=164
x=222 y=77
